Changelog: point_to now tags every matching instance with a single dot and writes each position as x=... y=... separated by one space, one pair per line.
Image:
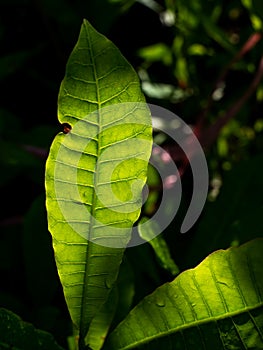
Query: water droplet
x=108 y=282
x=160 y=302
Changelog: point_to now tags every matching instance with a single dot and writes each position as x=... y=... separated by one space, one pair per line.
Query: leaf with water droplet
x=160 y=303
x=195 y=303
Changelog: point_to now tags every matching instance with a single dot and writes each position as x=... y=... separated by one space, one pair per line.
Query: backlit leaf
x=217 y=305
x=95 y=172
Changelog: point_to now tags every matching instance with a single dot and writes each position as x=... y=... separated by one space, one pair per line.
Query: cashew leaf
x=217 y=305
x=95 y=172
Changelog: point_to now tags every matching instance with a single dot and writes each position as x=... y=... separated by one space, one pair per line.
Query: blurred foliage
x=197 y=59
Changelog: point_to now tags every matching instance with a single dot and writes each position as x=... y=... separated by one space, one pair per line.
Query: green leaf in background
x=20 y=335
x=159 y=245
x=126 y=290
x=95 y=173
x=217 y=305
x=101 y=322
x=256 y=12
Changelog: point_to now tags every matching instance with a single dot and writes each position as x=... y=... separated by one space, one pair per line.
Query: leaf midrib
x=84 y=327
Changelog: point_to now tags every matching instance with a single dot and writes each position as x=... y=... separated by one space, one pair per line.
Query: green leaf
x=158 y=243
x=217 y=34
x=20 y=335
x=126 y=291
x=101 y=322
x=157 y=52
x=256 y=12
x=217 y=305
x=95 y=173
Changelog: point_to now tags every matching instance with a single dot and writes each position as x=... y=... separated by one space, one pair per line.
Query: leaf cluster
x=203 y=62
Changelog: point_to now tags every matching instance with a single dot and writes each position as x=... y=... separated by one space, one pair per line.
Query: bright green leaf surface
x=101 y=322
x=217 y=305
x=95 y=173
x=20 y=335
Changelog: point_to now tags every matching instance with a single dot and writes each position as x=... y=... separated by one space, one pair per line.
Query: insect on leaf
x=95 y=172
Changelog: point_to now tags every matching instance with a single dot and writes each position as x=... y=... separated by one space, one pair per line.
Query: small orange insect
x=66 y=128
